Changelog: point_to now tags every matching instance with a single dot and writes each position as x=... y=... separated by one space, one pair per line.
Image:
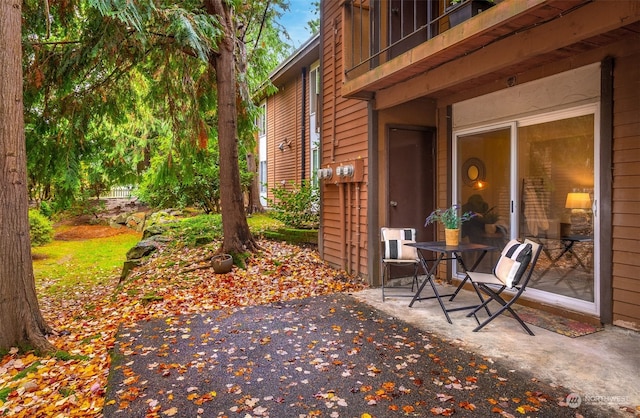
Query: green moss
x=4 y=393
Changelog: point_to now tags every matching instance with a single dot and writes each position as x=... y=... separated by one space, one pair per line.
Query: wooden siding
x=344 y=133
x=344 y=136
x=284 y=126
x=626 y=191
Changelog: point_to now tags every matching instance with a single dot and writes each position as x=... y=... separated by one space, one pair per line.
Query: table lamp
x=577 y=202
x=580 y=204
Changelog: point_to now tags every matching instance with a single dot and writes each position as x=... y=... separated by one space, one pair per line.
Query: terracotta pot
x=222 y=263
x=452 y=237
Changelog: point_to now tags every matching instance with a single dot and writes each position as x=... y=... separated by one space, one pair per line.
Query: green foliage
x=450 y=217
x=189 y=231
x=112 y=86
x=296 y=206
x=46 y=209
x=40 y=228
x=197 y=184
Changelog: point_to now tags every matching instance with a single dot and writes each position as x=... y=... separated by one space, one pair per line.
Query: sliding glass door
x=484 y=187
x=556 y=169
x=534 y=178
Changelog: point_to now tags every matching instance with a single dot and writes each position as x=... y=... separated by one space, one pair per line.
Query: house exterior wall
x=626 y=190
x=346 y=133
x=284 y=135
x=624 y=276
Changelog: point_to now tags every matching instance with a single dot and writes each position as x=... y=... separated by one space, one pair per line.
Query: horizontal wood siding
x=626 y=191
x=344 y=136
x=284 y=126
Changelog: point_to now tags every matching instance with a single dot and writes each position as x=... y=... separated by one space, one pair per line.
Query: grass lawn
x=87 y=260
x=61 y=265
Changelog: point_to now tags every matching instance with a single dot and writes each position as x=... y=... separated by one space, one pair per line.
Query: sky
x=295 y=21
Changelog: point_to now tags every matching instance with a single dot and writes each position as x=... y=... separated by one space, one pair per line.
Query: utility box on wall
x=350 y=171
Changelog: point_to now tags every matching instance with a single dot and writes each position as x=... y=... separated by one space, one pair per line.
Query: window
x=314 y=125
x=262 y=153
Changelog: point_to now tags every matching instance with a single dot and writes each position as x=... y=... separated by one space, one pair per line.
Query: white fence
x=120 y=192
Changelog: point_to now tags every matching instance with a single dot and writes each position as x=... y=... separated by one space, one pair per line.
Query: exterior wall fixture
x=325 y=173
x=350 y=171
x=284 y=144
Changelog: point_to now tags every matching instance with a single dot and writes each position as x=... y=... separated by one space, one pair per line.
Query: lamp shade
x=578 y=201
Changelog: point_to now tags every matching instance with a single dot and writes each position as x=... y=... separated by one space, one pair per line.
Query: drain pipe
x=303 y=128
x=349 y=229
x=342 y=223
x=358 y=243
x=334 y=141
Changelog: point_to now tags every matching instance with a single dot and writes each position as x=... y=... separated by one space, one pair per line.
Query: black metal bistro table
x=448 y=252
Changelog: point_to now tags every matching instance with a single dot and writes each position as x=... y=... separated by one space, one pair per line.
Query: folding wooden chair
x=512 y=271
x=395 y=253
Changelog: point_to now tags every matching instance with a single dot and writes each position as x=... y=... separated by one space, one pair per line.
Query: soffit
x=500 y=22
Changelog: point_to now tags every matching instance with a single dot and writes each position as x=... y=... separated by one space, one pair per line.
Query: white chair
x=512 y=271
x=396 y=253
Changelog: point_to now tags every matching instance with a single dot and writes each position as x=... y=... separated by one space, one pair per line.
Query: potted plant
x=222 y=263
x=451 y=219
x=461 y=10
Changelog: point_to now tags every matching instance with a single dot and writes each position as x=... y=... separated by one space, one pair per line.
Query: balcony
x=387 y=42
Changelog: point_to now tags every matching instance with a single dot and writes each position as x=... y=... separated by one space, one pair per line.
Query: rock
x=127 y=267
x=142 y=249
x=152 y=231
x=161 y=217
x=136 y=221
x=120 y=219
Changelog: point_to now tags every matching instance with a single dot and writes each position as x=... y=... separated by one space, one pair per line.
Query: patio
x=600 y=367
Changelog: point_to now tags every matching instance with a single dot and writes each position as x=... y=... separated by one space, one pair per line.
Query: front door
x=411 y=179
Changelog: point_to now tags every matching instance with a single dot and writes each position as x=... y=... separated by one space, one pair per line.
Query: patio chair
x=512 y=271
x=395 y=253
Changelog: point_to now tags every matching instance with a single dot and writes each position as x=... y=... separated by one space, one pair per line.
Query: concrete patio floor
x=602 y=368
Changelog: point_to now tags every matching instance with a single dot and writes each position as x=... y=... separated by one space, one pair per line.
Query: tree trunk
x=22 y=322
x=237 y=237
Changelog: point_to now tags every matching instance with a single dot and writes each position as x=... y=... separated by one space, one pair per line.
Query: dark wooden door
x=411 y=182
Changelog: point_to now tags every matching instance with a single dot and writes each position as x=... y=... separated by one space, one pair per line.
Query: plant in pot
x=222 y=263
x=451 y=219
x=461 y=10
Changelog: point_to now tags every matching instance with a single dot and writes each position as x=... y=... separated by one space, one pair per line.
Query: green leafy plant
x=450 y=217
x=296 y=206
x=40 y=228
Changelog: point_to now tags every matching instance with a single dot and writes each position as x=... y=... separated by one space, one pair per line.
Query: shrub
x=40 y=228
x=297 y=206
x=46 y=209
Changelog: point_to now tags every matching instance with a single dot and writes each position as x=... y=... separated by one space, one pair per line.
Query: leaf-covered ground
x=326 y=356
x=273 y=340
x=73 y=382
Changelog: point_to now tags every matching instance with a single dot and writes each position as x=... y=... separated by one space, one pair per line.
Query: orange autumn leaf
x=389 y=386
x=467 y=405
x=408 y=409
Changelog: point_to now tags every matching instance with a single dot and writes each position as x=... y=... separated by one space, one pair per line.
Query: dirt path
x=85 y=227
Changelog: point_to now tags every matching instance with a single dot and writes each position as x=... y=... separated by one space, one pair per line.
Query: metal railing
x=378 y=31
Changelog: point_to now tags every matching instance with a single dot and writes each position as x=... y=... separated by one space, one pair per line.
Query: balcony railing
x=379 y=30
